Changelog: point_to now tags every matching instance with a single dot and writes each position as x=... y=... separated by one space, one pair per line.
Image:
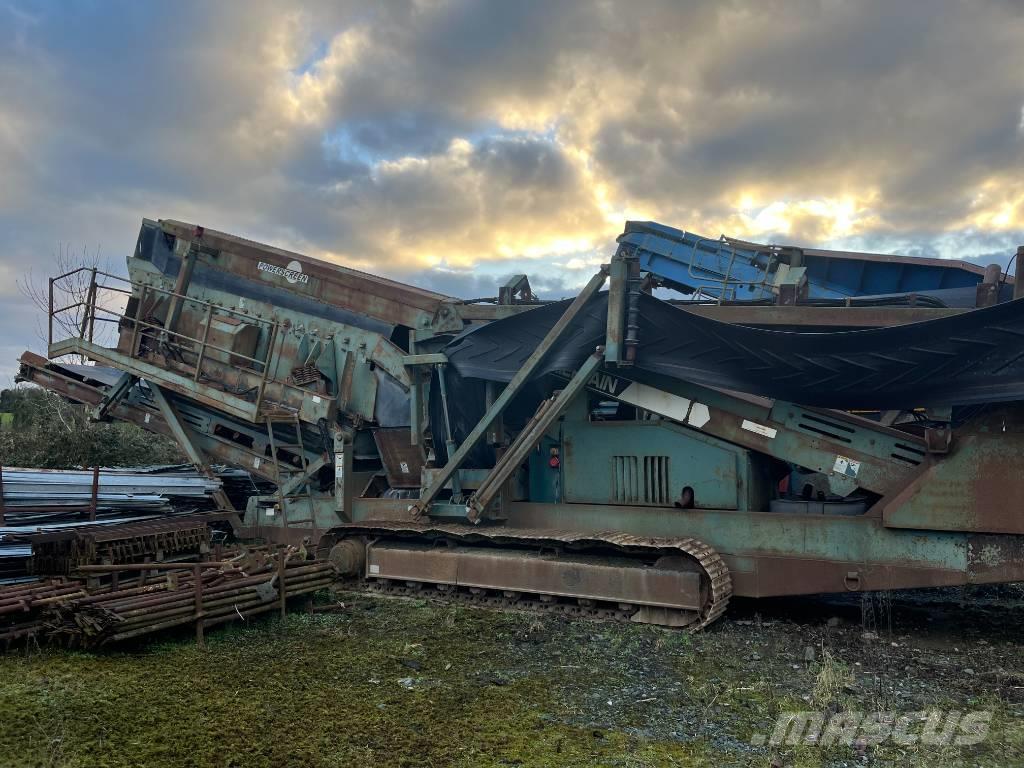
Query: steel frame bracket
x=181 y=434
x=311 y=469
x=432 y=358
x=113 y=395
x=456 y=460
x=525 y=441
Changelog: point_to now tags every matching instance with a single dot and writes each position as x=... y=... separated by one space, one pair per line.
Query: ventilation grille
x=833 y=430
x=908 y=454
x=640 y=479
x=843 y=433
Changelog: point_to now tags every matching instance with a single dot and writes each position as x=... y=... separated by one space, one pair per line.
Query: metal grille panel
x=640 y=479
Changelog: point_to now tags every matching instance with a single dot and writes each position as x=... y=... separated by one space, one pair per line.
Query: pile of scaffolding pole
x=201 y=594
x=22 y=606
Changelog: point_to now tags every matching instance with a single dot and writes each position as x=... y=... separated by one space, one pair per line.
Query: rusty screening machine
x=794 y=421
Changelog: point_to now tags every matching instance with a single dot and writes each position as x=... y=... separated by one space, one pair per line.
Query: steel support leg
x=615 y=335
x=181 y=434
x=529 y=437
x=514 y=386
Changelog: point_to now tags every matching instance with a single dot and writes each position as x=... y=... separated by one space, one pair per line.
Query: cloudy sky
x=454 y=143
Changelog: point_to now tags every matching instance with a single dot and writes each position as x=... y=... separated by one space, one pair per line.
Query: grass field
x=393 y=682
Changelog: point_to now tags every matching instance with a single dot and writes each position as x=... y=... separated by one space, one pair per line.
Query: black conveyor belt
x=974 y=357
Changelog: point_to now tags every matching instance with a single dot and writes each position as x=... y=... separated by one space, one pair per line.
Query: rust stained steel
x=197 y=599
x=995 y=559
x=617 y=580
x=238 y=373
x=772 y=576
x=779 y=569
x=402 y=460
x=818 y=317
x=282 y=576
x=94 y=500
x=183 y=436
x=202 y=594
x=361 y=292
x=520 y=448
x=63 y=550
x=991 y=560
x=730 y=419
x=716 y=581
x=147 y=567
x=221 y=602
x=38 y=370
x=23 y=597
x=212 y=396
x=973 y=488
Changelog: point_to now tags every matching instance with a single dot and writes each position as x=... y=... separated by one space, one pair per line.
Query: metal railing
x=89 y=310
x=728 y=284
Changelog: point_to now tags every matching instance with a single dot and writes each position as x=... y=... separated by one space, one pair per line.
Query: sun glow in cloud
x=997 y=205
x=554 y=166
x=476 y=137
x=820 y=219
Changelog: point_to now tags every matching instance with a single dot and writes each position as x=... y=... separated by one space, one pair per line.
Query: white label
x=292 y=273
x=699 y=415
x=270 y=511
x=760 y=429
x=374 y=568
x=339 y=465
x=147 y=418
x=846 y=466
x=405 y=467
x=316 y=398
x=256 y=462
x=655 y=400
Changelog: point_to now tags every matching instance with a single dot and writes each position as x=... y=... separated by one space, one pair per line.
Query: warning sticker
x=846 y=466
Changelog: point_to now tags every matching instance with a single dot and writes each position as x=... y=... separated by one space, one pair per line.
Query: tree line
x=42 y=429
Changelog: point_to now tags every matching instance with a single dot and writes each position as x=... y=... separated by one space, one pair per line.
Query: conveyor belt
x=974 y=357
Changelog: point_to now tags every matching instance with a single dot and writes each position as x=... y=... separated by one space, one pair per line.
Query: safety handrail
x=722 y=277
x=96 y=312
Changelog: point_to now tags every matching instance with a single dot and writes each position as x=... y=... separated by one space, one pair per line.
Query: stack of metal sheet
x=14 y=562
x=44 y=499
x=49 y=495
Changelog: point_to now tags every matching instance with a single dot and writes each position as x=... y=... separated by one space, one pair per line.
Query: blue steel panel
x=692 y=262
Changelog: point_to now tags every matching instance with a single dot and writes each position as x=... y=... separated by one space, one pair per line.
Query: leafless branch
x=71 y=291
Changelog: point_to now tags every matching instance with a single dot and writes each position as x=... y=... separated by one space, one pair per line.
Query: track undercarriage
x=671 y=582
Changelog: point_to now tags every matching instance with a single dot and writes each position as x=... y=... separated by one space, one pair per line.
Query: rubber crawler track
x=716 y=572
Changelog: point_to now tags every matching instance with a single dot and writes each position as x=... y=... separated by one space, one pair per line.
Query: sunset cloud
x=454 y=143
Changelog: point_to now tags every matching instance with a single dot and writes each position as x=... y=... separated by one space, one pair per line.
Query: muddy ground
x=399 y=682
